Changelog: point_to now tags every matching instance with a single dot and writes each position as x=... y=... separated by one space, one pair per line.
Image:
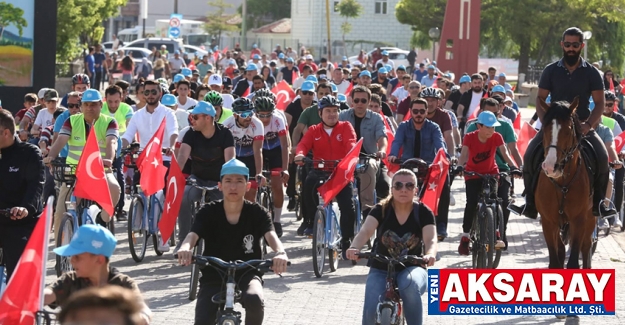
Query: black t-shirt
x=465 y=100
x=403 y=239
x=295 y=109
x=564 y=85
x=230 y=242
x=207 y=155
x=417 y=143
x=358 y=122
x=454 y=97
x=386 y=110
x=287 y=75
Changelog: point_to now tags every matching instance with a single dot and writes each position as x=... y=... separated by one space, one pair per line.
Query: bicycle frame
x=332 y=218
x=149 y=214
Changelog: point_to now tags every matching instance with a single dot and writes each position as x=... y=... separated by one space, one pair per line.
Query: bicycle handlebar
x=215 y=262
x=411 y=259
x=191 y=181
x=5 y=213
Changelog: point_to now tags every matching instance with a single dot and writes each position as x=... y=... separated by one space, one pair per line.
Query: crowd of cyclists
x=227 y=131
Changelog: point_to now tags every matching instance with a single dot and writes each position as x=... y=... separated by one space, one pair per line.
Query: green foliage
x=79 y=24
x=217 y=21
x=10 y=15
x=348 y=9
x=260 y=11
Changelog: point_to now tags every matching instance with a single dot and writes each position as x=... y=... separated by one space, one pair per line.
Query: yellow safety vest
x=119 y=116
x=78 y=138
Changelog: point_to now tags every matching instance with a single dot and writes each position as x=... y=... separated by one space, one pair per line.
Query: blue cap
x=256 y=57
x=89 y=238
x=431 y=66
x=91 y=95
x=344 y=58
x=334 y=88
x=384 y=53
x=281 y=56
x=169 y=100
x=308 y=86
x=234 y=167
x=176 y=52
x=502 y=75
x=434 y=63
x=312 y=78
x=388 y=67
x=382 y=70
x=499 y=89
x=488 y=119
x=254 y=46
x=186 y=72
x=178 y=77
x=464 y=79
x=251 y=67
x=203 y=107
x=365 y=73
x=232 y=62
x=289 y=59
x=342 y=98
x=401 y=67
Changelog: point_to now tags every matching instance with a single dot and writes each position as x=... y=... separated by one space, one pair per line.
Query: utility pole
x=244 y=26
x=175 y=6
x=144 y=14
x=328 y=26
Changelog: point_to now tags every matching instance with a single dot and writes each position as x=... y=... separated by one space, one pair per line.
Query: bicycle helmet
x=242 y=104
x=428 y=92
x=264 y=104
x=164 y=90
x=264 y=92
x=610 y=95
x=162 y=81
x=214 y=98
x=441 y=93
x=328 y=101
x=80 y=78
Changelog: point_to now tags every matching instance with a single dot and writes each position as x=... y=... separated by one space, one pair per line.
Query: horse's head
x=561 y=136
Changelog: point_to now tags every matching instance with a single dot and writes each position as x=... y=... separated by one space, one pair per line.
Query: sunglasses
x=73 y=105
x=360 y=100
x=419 y=111
x=196 y=116
x=609 y=104
x=246 y=114
x=414 y=87
x=265 y=115
x=398 y=186
x=308 y=93
x=575 y=45
x=147 y=92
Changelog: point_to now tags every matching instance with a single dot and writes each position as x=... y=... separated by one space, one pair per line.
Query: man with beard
x=570 y=77
x=470 y=100
x=381 y=77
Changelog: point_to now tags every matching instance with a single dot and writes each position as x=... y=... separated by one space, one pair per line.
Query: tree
x=261 y=11
x=348 y=9
x=217 y=22
x=10 y=15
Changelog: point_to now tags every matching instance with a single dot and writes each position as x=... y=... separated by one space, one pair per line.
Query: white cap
x=309 y=57
x=508 y=99
x=42 y=92
x=215 y=79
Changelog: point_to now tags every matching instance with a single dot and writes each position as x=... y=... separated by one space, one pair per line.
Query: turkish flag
x=24 y=292
x=517 y=124
x=224 y=50
x=390 y=137
x=437 y=175
x=151 y=166
x=294 y=76
x=216 y=56
x=618 y=142
x=342 y=174
x=526 y=134
x=349 y=89
x=284 y=95
x=191 y=65
x=173 y=199
x=91 y=181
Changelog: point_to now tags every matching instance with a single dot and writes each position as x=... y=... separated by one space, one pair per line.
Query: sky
x=29 y=14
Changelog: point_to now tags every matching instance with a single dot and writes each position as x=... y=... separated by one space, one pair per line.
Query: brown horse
x=563 y=195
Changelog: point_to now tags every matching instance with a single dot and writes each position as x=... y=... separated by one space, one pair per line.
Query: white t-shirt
x=244 y=138
x=182 y=117
x=44 y=118
x=228 y=100
x=342 y=87
x=475 y=102
x=190 y=103
x=176 y=64
x=273 y=131
x=390 y=62
x=401 y=93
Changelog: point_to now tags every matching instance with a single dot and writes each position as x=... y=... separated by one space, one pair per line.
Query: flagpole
x=48 y=216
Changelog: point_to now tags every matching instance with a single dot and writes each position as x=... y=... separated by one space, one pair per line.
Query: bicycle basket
x=45 y=317
x=64 y=173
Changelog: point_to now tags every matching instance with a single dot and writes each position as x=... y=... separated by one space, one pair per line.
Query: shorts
x=251 y=165
x=272 y=159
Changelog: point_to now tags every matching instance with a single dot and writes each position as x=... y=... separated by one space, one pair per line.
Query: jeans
x=310 y=201
x=98 y=81
x=503 y=192
x=251 y=298
x=119 y=166
x=192 y=195
x=412 y=283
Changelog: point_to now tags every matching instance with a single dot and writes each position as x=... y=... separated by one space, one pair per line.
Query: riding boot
x=601 y=178
x=530 y=178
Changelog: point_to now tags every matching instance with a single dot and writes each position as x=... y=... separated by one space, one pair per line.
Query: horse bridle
x=568 y=154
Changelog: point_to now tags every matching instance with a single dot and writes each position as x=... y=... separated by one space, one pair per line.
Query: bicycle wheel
x=500 y=226
x=487 y=236
x=111 y=225
x=156 y=237
x=333 y=253
x=65 y=234
x=319 y=242
x=137 y=233
x=621 y=215
x=195 y=271
x=385 y=317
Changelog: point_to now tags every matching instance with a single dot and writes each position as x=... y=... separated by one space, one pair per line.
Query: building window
x=336 y=3
x=381 y=7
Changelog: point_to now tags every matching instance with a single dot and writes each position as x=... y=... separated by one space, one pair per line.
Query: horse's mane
x=560 y=112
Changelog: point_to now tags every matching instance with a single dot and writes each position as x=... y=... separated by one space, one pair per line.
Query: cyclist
x=276 y=153
x=209 y=145
x=90 y=250
x=74 y=134
x=404 y=225
x=478 y=154
x=329 y=140
x=216 y=99
x=80 y=83
x=248 y=133
x=45 y=141
x=231 y=229
x=22 y=178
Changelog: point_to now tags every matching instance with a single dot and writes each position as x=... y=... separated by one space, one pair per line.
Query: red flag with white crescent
x=91 y=181
x=151 y=167
x=618 y=142
x=284 y=95
x=349 y=89
x=526 y=134
x=173 y=199
x=343 y=174
x=294 y=76
x=437 y=175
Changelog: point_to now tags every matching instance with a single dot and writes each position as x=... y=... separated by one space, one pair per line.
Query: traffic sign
x=174 y=32
x=174 y=22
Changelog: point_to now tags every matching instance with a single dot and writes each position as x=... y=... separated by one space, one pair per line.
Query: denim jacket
x=431 y=141
x=371 y=128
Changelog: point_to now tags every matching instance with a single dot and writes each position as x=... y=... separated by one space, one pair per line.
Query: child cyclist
x=478 y=155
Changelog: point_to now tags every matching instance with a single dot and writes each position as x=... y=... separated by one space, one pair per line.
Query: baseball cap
x=309 y=57
x=341 y=98
x=281 y=56
x=91 y=95
x=178 y=77
x=168 y=100
x=488 y=119
x=334 y=88
x=384 y=53
x=232 y=62
x=89 y=238
x=227 y=82
x=234 y=167
x=42 y=92
x=308 y=86
x=215 y=80
x=507 y=99
x=365 y=73
x=388 y=67
x=51 y=94
x=177 y=52
x=256 y=57
x=431 y=66
x=203 y=107
x=195 y=72
x=186 y=72
x=382 y=70
x=401 y=67
x=464 y=79
x=344 y=58
x=323 y=77
x=502 y=75
x=312 y=79
x=251 y=67
x=289 y=60
x=499 y=89
x=254 y=46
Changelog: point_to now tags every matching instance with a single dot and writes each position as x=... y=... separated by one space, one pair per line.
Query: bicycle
x=299 y=187
x=199 y=247
x=227 y=315
x=265 y=199
x=389 y=310
x=46 y=317
x=78 y=213
x=361 y=168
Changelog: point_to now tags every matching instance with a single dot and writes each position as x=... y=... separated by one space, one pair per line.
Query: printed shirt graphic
x=244 y=137
x=482 y=155
x=273 y=131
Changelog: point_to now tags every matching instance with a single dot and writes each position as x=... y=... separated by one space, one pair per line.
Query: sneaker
x=604 y=224
x=121 y=215
x=308 y=231
x=605 y=211
x=463 y=248
x=452 y=200
x=302 y=227
x=618 y=222
x=163 y=247
x=278 y=228
x=499 y=244
x=291 y=205
x=523 y=210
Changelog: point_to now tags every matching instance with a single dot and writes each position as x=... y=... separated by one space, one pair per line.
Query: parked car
x=171 y=44
x=136 y=53
x=191 y=50
x=398 y=56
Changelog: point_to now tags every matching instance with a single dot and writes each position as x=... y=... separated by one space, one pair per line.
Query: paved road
x=298 y=298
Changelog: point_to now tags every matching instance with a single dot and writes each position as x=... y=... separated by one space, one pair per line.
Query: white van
x=171 y=44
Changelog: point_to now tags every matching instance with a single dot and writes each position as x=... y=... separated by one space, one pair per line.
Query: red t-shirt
x=482 y=154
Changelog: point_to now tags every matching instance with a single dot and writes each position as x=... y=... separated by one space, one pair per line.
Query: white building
x=377 y=23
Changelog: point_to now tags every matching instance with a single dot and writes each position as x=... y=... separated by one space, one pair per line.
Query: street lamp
x=587 y=36
x=434 y=34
